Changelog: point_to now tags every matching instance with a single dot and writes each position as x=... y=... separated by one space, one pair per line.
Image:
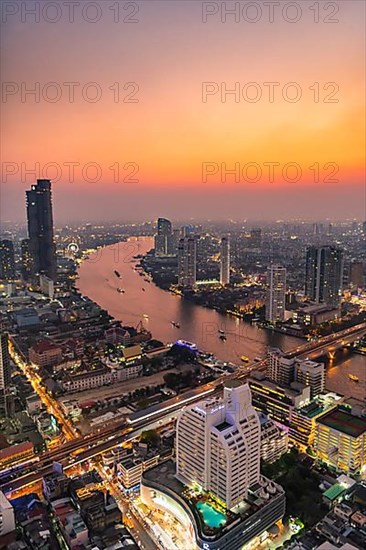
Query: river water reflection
x=157 y=308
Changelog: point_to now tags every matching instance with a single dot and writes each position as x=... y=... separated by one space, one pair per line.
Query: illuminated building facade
x=187 y=261
x=4 y=374
x=7 y=261
x=275 y=401
x=26 y=259
x=280 y=369
x=274 y=440
x=340 y=441
x=276 y=293
x=218 y=444
x=40 y=230
x=265 y=505
x=324 y=275
x=311 y=373
x=225 y=261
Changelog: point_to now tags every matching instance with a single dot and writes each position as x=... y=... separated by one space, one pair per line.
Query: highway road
x=329 y=343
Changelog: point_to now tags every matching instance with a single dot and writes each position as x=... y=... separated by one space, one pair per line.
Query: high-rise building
x=311 y=373
x=225 y=261
x=4 y=373
x=7 y=261
x=218 y=452
x=163 y=238
x=356 y=275
x=256 y=238
x=40 y=229
x=324 y=275
x=276 y=293
x=218 y=444
x=187 y=261
x=26 y=260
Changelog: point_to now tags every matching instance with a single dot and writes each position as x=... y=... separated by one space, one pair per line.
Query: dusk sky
x=171 y=135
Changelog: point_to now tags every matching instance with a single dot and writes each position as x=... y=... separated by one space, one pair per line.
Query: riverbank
x=156 y=310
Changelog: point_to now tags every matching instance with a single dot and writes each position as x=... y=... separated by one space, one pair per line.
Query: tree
x=150 y=436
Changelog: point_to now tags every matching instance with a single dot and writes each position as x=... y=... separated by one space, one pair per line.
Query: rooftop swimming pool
x=211 y=517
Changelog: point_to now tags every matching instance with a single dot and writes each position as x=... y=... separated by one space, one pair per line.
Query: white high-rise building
x=276 y=293
x=187 y=261
x=311 y=373
x=225 y=261
x=218 y=444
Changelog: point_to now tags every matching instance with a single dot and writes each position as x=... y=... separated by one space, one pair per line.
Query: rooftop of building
x=203 y=504
x=345 y=422
x=334 y=491
x=259 y=378
x=223 y=426
x=43 y=346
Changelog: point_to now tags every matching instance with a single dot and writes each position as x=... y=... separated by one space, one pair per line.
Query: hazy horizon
x=165 y=109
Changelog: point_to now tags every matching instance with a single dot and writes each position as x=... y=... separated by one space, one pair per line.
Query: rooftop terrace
x=344 y=422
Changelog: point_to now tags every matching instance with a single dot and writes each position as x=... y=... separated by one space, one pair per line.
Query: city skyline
x=177 y=125
x=183 y=275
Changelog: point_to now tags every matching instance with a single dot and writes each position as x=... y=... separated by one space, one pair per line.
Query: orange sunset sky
x=169 y=133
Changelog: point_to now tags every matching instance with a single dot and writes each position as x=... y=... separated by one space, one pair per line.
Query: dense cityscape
x=182 y=275
x=113 y=436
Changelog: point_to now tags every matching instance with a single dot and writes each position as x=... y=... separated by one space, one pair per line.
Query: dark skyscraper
x=324 y=275
x=356 y=277
x=7 y=262
x=4 y=373
x=164 y=238
x=255 y=238
x=40 y=229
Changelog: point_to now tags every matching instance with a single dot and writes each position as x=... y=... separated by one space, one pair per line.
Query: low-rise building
x=15 y=454
x=260 y=510
x=101 y=377
x=340 y=441
x=315 y=314
x=131 y=468
x=33 y=403
x=45 y=353
x=117 y=335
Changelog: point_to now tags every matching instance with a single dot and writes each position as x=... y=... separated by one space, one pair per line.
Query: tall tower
x=218 y=444
x=163 y=237
x=324 y=275
x=4 y=373
x=276 y=293
x=40 y=229
x=7 y=261
x=225 y=261
x=187 y=261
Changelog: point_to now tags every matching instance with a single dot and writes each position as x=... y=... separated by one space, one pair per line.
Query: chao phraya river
x=157 y=309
